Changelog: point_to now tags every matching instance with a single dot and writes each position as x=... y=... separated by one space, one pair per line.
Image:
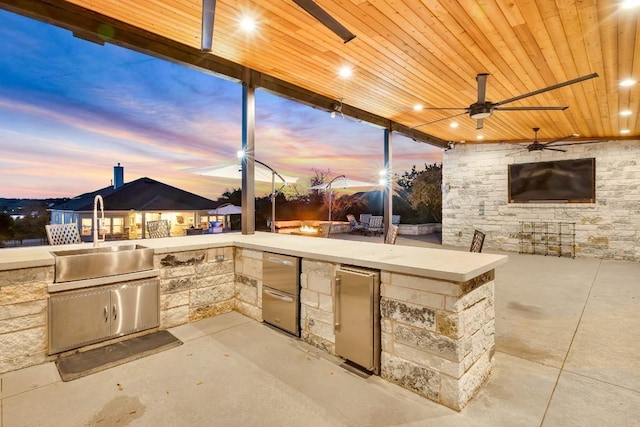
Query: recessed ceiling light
x=418 y=107
x=248 y=24
x=453 y=125
x=629 y=4
x=624 y=131
x=627 y=82
x=345 y=72
x=625 y=113
x=480 y=137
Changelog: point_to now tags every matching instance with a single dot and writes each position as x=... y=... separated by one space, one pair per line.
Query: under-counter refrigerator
x=357 y=316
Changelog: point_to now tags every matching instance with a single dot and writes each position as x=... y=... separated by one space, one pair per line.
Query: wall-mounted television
x=563 y=181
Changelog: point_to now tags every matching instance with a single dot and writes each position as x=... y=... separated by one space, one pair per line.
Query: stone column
x=438 y=337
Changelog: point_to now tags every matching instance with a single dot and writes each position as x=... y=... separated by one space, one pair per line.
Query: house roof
x=405 y=52
x=143 y=194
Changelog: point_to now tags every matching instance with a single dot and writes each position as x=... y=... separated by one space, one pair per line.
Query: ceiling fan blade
x=479 y=124
x=208 y=17
x=482 y=86
x=530 y=108
x=439 y=120
x=429 y=108
x=555 y=149
x=325 y=19
x=559 y=139
x=546 y=89
x=577 y=143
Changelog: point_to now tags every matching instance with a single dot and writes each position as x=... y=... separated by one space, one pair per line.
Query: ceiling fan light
x=480 y=111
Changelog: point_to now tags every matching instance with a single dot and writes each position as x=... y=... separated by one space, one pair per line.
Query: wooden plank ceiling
x=421 y=51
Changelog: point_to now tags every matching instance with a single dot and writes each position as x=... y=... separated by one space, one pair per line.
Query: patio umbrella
x=227 y=209
x=262 y=173
x=341 y=182
x=234 y=171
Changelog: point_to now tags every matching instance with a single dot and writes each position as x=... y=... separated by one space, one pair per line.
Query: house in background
x=128 y=207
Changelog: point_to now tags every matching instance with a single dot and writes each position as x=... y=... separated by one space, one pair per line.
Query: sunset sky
x=70 y=110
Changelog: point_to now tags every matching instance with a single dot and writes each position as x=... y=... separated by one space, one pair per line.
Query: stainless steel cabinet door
x=356 y=316
x=134 y=308
x=76 y=320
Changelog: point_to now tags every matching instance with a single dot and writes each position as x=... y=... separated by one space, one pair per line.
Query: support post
x=387 y=194
x=248 y=147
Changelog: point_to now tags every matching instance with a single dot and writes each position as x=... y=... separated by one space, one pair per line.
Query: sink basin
x=89 y=263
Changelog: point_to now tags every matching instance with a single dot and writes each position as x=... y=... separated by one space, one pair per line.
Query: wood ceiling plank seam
x=416 y=64
x=382 y=76
x=601 y=112
x=150 y=21
x=409 y=19
x=556 y=32
x=579 y=45
x=539 y=49
x=483 y=50
x=608 y=29
x=410 y=54
x=569 y=21
x=608 y=36
x=500 y=18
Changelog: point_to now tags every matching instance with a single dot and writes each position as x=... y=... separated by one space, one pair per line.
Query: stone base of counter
x=438 y=336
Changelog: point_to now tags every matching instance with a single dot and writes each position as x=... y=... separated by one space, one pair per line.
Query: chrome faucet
x=96 y=226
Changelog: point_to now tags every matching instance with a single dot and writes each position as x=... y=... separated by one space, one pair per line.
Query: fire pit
x=308 y=229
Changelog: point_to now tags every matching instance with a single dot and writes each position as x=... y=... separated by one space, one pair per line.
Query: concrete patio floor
x=566 y=355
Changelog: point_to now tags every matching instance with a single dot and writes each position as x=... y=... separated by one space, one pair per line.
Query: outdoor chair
x=158 y=228
x=477 y=241
x=62 y=234
x=354 y=225
x=375 y=225
x=392 y=233
x=364 y=220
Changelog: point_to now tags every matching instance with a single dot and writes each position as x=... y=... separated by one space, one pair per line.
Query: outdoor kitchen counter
x=457 y=266
x=437 y=316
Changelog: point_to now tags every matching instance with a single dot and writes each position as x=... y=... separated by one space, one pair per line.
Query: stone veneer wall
x=23 y=317
x=248 y=269
x=195 y=285
x=475 y=197
x=316 y=304
x=437 y=336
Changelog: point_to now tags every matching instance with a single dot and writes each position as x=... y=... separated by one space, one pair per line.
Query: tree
x=426 y=192
x=6 y=227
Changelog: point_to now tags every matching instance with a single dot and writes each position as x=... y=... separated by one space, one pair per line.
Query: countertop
x=442 y=264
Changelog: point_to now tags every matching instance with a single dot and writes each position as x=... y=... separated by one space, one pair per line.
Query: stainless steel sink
x=89 y=263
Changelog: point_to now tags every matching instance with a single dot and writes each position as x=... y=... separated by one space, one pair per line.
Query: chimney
x=118 y=176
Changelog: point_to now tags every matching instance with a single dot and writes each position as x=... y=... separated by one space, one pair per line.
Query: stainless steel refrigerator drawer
x=281 y=309
x=281 y=272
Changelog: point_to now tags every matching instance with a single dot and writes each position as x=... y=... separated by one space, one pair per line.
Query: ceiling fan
x=482 y=109
x=209 y=11
x=539 y=146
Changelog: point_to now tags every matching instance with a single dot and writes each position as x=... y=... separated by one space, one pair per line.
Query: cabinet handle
x=106 y=313
x=337 y=304
x=115 y=312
